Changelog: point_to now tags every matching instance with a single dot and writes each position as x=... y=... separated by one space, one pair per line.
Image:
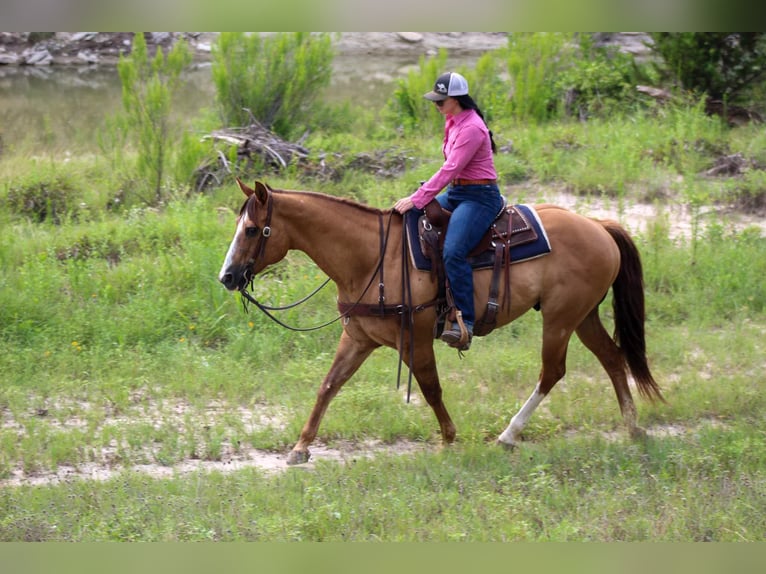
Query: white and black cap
x=447 y=85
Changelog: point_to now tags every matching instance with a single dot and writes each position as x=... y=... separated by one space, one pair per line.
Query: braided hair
x=466 y=102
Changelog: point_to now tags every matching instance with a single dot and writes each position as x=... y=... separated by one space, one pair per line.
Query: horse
x=346 y=240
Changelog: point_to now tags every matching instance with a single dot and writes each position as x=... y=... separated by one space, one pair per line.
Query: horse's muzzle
x=234 y=280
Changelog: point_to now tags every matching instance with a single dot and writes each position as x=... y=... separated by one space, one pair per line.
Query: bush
x=598 y=81
x=43 y=197
x=720 y=64
x=147 y=90
x=534 y=61
x=555 y=75
x=273 y=79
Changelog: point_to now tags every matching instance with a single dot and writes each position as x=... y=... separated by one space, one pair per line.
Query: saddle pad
x=486 y=259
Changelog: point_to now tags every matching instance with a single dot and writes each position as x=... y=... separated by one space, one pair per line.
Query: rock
x=83 y=37
x=8 y=58
x=37 y=57
x=411 y=37
x=161 y=37
x=88 y=56
x=80 y=47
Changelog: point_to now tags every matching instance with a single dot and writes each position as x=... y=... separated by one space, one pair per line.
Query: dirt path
x=268 y=462
x=271 y=463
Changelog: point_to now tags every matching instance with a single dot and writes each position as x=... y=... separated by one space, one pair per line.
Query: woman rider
x=472 y=194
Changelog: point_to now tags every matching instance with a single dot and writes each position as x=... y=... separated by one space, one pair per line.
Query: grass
x=121 y=349
x=703 y=486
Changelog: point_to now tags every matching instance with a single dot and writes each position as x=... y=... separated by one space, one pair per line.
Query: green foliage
x=275 y=79
x=489 y=88
x=721 y=65
x=555 y=75
x=192 y=152
x=534 y=61
x=43 y=196
x=407 y=109
x=687 y=281
x=148 y=85
x=599 y=81
x=705 y=486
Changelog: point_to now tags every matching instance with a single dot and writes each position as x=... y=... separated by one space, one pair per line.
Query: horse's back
x=583 y=263
x=576 y=237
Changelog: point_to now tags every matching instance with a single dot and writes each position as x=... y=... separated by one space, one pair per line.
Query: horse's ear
x=246 y=190
x=262 y=191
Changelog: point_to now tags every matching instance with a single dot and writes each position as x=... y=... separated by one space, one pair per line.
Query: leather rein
x=405 y=309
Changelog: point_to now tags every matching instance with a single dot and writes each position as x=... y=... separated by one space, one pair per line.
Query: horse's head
x=246 y=255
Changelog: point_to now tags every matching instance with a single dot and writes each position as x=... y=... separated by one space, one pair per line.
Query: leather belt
x=474 y=181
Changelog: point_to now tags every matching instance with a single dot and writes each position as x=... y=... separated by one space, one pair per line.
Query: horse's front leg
x=348 y=358
x=427 y=377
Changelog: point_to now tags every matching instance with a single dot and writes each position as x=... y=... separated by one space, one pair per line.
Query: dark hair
x=466 y=102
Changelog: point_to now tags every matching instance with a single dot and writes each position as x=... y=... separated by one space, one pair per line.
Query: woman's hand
x=404 y=204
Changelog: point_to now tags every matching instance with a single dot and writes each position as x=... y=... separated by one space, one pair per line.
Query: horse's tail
x=629 y=314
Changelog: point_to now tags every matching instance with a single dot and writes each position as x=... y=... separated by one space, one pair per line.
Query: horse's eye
x=251 y=231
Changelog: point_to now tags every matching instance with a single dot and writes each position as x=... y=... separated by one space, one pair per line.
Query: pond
x=64 y=107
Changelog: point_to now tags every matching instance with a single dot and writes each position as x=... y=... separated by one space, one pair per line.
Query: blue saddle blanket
x=541 y=246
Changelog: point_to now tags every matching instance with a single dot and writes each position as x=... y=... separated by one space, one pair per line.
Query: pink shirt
x=468 y=155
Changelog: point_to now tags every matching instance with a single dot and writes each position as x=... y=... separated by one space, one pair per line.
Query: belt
x=474 y=181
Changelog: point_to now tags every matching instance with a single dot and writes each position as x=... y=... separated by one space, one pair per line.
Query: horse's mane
x=316 y=194
x=334 y=198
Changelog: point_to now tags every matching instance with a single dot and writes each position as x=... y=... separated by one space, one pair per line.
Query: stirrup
x=458 y=336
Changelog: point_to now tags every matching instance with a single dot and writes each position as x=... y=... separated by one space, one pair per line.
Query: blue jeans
x=473 y=208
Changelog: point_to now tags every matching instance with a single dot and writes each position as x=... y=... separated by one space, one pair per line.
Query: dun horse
x=347 y=241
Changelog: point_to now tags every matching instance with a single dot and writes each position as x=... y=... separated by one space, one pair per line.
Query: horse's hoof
x=298 y=457
x=637 y=433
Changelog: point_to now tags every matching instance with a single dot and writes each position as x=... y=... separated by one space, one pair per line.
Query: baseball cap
x=449 y=84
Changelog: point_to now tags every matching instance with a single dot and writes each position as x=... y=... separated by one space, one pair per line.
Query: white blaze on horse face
x=233 y=248
x=512 y=435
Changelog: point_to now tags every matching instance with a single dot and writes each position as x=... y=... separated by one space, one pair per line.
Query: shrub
x=274 y=79
x=43 y=197
x=534 y=61
x=147 y=90
x=598 y=81
x=720 y=64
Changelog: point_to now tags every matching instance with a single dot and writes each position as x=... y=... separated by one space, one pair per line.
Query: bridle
x=260 y=249
x=266 y=309
x=405 y=310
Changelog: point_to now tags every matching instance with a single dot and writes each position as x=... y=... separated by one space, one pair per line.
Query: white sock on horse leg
x=512 y=434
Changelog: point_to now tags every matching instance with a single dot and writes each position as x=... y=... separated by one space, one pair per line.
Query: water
x=63 y=107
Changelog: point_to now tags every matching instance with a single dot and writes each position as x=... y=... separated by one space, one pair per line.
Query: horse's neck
x=341 y=238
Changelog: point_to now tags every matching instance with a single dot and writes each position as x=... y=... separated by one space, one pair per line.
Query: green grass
x=703 y=486
x=121 y=349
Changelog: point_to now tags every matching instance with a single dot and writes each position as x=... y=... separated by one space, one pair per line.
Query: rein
x=405 y=310
x=247 y=297
x=266 y=309
x=408 y=317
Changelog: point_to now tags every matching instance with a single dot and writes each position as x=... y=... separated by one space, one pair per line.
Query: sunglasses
x=439 y=103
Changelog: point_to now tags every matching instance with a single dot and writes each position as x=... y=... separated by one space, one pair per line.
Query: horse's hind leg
x=595 y=337
x=554 y=354
x=348 y=358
